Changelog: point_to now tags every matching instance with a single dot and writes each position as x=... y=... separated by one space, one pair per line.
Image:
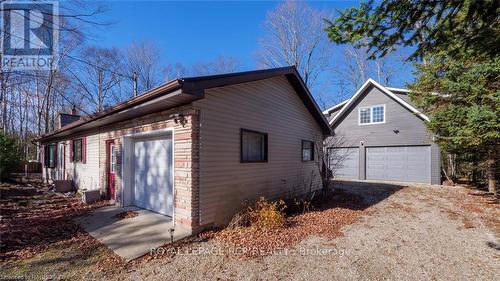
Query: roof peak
x=386 y=91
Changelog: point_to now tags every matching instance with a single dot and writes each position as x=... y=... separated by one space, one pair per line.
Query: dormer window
x=372 y=115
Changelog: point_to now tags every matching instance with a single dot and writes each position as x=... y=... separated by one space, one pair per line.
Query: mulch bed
x=326 y=219
x=33 y=218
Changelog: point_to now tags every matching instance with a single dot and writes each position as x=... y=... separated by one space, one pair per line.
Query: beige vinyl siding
x=85 y=175
x=270 y=106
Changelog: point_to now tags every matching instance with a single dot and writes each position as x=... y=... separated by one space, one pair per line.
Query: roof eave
x=196 y=86
x=150 y=95
x=365 y=85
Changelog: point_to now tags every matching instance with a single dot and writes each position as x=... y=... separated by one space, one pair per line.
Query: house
x=382 y=136
x=195 y=149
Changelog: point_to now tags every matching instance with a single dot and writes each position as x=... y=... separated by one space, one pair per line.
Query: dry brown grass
x=473 y=204
x=34 y=218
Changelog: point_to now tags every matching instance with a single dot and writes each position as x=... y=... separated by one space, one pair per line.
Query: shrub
x=9 y=154
x=240 y=219
x=267 y=214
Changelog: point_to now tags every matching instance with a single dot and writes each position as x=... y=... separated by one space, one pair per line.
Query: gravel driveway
x=410 y=233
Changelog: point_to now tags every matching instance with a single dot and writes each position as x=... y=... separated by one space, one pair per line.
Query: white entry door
x=153 y=172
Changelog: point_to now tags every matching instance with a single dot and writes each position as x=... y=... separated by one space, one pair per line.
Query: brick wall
x=186 y=153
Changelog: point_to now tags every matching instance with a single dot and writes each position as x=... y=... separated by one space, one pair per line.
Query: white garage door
x=405 y=163
x=153 y=189
x=345 y=163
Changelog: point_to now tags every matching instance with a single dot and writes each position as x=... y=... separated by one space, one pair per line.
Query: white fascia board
x=385 y=91
x=327 y=111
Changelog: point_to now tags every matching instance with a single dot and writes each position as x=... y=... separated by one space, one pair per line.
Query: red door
x=111 y=154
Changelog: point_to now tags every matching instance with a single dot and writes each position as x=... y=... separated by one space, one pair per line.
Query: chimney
x=74 y=111
x=64 y=119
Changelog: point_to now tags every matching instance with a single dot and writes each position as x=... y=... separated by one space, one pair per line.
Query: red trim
x=84 y=150
x=70 y=151
x=64 y=159
x=110 y=182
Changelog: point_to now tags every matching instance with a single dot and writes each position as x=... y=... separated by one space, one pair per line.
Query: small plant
x=267 y=214
x=240 y=219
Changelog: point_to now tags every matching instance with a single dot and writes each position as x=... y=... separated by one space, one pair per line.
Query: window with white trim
x=372 y=115
x=364 y=115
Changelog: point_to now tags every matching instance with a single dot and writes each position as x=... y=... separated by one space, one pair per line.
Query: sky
x=189 y=32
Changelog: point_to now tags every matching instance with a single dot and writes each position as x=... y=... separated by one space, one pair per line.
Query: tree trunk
x=3 y=99
x=491 y=174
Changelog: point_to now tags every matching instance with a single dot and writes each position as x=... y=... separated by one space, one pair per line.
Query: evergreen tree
x=457 y=46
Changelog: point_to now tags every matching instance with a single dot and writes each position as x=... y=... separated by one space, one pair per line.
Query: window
x=378 y=114
x=50 y=156
x=364 y=115
x=77 y=150
x=307 y=151
x=372 y=115
x=253 y=146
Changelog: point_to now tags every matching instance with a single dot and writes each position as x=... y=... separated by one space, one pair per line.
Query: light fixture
x=179 y=118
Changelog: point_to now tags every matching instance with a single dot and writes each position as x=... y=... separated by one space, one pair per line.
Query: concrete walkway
x=132 y=237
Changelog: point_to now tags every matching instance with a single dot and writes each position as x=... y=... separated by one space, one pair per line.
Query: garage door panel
x=393 y=158
x=349 y=162
x=394 y=167
x=378 y=149
x=418 y=158
x=392 y=149
x=415 y=167
x=153 y=187
x=404 y=163
x=378 y=157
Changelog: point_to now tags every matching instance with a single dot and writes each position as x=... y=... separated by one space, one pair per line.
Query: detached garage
x=385 y=136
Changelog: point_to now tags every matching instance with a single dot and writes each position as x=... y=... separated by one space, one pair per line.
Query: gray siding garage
x=389 y=134
x=400 y=163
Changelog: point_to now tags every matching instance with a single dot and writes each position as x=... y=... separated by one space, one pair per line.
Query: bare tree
x=31 y=99
x=143 y=58
x=295 y=36
x=5 y=77
x=355 y=67
x=221 y=64
x=330 y=156
x=357 y=64
x=99 y=77
x=174 y=71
